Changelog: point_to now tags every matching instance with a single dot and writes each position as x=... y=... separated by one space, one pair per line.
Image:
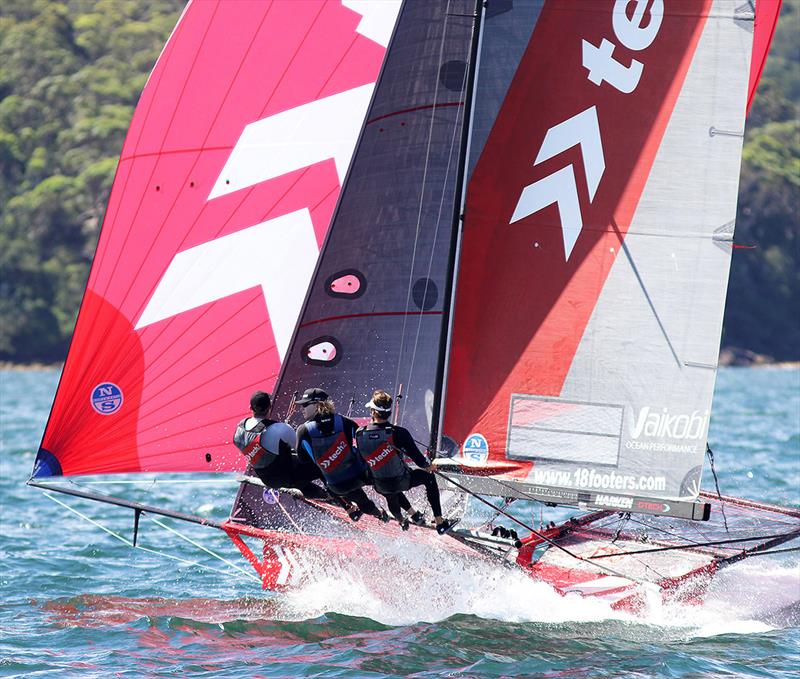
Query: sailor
x=326 y=439
x=382 y=445
x=267 y=445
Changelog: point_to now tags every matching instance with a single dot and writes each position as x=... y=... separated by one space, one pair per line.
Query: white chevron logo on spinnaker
x=560 y=187
x=278 y=254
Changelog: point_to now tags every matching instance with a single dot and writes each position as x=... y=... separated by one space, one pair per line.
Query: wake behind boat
x=517 y=216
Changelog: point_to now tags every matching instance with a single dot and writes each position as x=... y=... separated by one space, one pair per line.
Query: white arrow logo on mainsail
x=559 y=187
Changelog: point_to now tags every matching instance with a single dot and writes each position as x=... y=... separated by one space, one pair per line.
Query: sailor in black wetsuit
x=326 y=439
x=382 y=445
x=267 y=445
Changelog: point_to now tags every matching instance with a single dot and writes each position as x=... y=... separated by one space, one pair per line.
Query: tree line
x=71 y=74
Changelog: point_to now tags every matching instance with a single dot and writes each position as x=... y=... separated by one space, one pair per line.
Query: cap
x=312 y=396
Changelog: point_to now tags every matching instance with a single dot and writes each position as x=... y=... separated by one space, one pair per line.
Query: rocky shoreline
x=8 y=365
x=744 y=357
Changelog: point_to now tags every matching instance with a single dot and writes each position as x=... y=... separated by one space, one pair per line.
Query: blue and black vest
x=342 y=469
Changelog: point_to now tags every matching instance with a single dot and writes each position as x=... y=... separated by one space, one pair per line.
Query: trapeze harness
x=389 y=470
x=341 y=468
x=249 y=442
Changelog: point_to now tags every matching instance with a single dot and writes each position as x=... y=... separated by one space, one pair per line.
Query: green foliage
x=763 y=308
x=70 y=76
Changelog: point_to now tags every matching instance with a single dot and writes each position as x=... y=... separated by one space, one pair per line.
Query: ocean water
x=78 y=601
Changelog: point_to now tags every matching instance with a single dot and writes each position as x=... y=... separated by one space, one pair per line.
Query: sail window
x=425 y=293
x=349 y=283
x=452 y=75
x=324 y=350
x=561 y=430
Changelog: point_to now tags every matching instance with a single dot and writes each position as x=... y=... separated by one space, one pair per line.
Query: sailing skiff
x=517 y=215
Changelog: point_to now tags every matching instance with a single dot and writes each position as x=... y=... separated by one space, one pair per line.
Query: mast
x=455 y=243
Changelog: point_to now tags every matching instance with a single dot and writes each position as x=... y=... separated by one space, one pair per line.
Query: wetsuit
x=327 y=442
x=380 y=444
x=277 y=466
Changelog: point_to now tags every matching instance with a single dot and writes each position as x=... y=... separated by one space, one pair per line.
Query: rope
x=419 y=210
x=147 y=549
x=539 y=535
x=710 y=454
x=700 y=544
x=199 y=546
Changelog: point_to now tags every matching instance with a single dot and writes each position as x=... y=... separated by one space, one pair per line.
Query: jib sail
x=597 y=242
x=227 y=182
x=373 y=316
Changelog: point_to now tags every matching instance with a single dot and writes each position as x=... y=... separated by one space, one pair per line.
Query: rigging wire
x=703 y=544
x=171 y=530
x=710 y=454
x=198 y=545
x=774 y=551
x=421 y=201
x=147 y=549
x=628 y=517
x=542 y=537
x=667 y=532
x=456 y=126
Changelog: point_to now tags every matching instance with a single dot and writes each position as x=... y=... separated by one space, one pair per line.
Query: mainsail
x=227 y=182
x=596 y=246
x=373 y=315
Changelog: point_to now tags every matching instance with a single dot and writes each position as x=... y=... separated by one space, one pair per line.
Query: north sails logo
x=665 y=425
x=106 y=398
x=583 y=129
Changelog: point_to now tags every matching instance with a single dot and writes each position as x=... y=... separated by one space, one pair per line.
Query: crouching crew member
x=267 y=445
x=326 y=439
x=382 y=446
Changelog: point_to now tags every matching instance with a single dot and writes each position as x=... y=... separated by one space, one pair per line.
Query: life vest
x=249 y=441
x=385 y=462
x=334 y=456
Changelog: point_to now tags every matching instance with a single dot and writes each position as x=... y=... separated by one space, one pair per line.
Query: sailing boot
x=354 y=513
x=445 y=525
